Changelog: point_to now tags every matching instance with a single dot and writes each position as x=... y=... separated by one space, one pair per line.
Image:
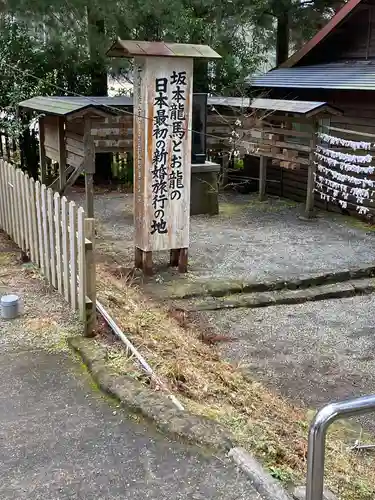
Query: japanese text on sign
x=169 y=123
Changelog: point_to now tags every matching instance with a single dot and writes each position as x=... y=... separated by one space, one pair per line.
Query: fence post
x=12 y=196
x=90 y=322
x=65 y=247
x=73 y=254
x=2 y=193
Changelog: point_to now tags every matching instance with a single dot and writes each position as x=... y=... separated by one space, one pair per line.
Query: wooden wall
x=51 y=137
x=74 y=142
x=113 y=134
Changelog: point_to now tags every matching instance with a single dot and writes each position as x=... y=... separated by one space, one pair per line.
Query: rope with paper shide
x=342 y=176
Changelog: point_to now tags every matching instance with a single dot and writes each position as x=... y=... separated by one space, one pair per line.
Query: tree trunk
x=99 y=87
x=282 y=38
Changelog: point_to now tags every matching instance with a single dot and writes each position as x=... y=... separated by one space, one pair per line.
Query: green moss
x=231 y=209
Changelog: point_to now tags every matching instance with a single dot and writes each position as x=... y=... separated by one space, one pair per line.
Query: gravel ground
x=247 y=241
x=313 y=353
x=46 y=320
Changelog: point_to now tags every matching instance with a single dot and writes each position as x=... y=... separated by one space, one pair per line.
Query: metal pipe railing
x=317 y=439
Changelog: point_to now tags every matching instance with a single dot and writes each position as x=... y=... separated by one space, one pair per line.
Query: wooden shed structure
x=73 y=129
x=284 y=132
x=337 y=67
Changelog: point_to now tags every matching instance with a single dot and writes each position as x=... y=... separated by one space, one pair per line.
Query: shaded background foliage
x=57 y=47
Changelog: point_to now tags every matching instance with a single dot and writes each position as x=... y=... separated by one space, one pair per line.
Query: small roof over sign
x=306 y=108
x=132 y=48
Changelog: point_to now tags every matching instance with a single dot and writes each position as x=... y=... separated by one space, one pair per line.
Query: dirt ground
x=312 y=353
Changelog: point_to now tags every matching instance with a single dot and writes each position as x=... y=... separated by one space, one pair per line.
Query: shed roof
x=65 y=105
x=306 y=108
x=131 y=48
x=351 y=75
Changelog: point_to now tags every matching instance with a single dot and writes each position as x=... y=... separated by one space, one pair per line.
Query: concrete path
x=61 y=439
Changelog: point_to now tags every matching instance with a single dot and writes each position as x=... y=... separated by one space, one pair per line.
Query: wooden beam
x=42 y=152
x=89 y=166
x=301 y=161
x=284 y=131
x=287 y=145
x=89 y=188
x=262 y=177
x=62 y=153
x=310 y=177
x=351 y=132
x=72 y=179
x=88 y=147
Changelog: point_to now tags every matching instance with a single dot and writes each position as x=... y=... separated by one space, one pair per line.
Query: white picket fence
x=55 y=235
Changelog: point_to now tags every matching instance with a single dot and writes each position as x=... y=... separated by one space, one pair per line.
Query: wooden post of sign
x=174 y=258
x=183 y=260
x=89 y=167
x=138 y=258
x=62 y=153
x=42 y=152
x=309 y=210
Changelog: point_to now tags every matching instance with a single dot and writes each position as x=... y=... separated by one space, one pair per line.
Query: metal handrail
x=317 y=438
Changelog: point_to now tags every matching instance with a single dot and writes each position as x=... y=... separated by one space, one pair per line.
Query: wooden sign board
x=162 y=151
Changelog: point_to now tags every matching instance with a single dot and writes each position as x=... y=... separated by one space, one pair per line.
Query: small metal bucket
x=10 y=306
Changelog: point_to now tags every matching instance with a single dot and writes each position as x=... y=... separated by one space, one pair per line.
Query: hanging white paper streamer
x=344 y=204
x=362 y=210
x=360 y=194
x=337 y=141
x=336 y=187
x=332 y=184
x=348 y=167
x=345 y=157
x=346 y=178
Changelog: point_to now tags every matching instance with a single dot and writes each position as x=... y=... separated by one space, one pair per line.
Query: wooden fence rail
x=55 y=234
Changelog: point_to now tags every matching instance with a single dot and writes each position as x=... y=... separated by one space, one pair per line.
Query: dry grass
x=261 y=421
